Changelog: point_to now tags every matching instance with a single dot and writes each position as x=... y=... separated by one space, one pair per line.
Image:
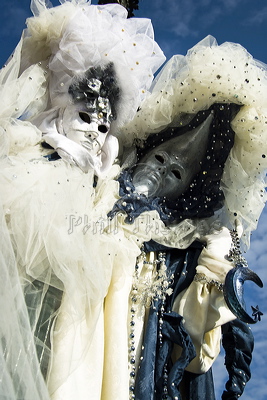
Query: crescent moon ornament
x=233 y=287
x=234 y=292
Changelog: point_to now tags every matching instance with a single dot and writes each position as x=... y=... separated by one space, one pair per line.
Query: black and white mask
x=87 y=127
x=87 y=120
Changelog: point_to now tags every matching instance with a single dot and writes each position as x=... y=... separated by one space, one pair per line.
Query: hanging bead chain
x=165 y=383
x=144 y=291
x=162 y=259
x=131 y=346
x=235 y=254
x=132 y=340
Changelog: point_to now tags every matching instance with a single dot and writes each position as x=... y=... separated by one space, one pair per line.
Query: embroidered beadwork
x=199 y=277
x=149 y=287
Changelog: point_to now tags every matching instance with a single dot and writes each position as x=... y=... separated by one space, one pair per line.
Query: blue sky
x=178 y=25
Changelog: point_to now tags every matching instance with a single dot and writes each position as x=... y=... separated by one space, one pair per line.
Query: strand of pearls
x=150 y=284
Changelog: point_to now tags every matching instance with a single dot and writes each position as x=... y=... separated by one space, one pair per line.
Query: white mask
x=85 y=127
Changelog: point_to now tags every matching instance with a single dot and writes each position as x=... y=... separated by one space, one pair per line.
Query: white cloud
x=258 y=17
x=171 y=47
x=231 y=4
x=175 y=16
x=185 y=18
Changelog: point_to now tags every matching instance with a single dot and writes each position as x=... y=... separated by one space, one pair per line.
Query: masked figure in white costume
x=78 y=74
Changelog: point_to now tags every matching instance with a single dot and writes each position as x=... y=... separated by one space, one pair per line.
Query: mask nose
x=162 y=169
x=162 y=161
x=94 y=128
x=92 y=133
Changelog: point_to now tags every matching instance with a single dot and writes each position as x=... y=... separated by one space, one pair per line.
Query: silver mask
x=168 y=169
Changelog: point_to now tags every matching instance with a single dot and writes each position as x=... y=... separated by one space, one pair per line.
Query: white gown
x=54 y=225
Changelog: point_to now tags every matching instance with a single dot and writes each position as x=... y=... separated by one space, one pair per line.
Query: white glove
x=219 y=242
x=72 y=152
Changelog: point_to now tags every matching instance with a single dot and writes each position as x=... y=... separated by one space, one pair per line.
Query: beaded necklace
x=151 y=283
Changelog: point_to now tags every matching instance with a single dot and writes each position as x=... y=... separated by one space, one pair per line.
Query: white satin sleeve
x=202 y=304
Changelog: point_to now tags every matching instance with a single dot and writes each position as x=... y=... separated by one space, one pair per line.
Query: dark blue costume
x=170 y=380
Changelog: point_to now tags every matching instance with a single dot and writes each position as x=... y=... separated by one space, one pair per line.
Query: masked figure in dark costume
x=178 y=173
x=177 y=309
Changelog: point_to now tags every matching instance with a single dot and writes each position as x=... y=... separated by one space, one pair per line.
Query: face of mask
x=168 y=169
x=89 y=128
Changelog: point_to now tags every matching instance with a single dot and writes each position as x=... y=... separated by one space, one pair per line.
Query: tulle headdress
x=77 y=36
x=211 y=74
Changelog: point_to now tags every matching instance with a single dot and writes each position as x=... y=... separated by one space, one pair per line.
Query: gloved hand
x=72 y=152
x=219 y=243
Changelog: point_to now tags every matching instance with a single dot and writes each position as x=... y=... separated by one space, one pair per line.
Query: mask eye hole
x=103 y=128
x=177 y=174
x=85 y=117
x=159 y=158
